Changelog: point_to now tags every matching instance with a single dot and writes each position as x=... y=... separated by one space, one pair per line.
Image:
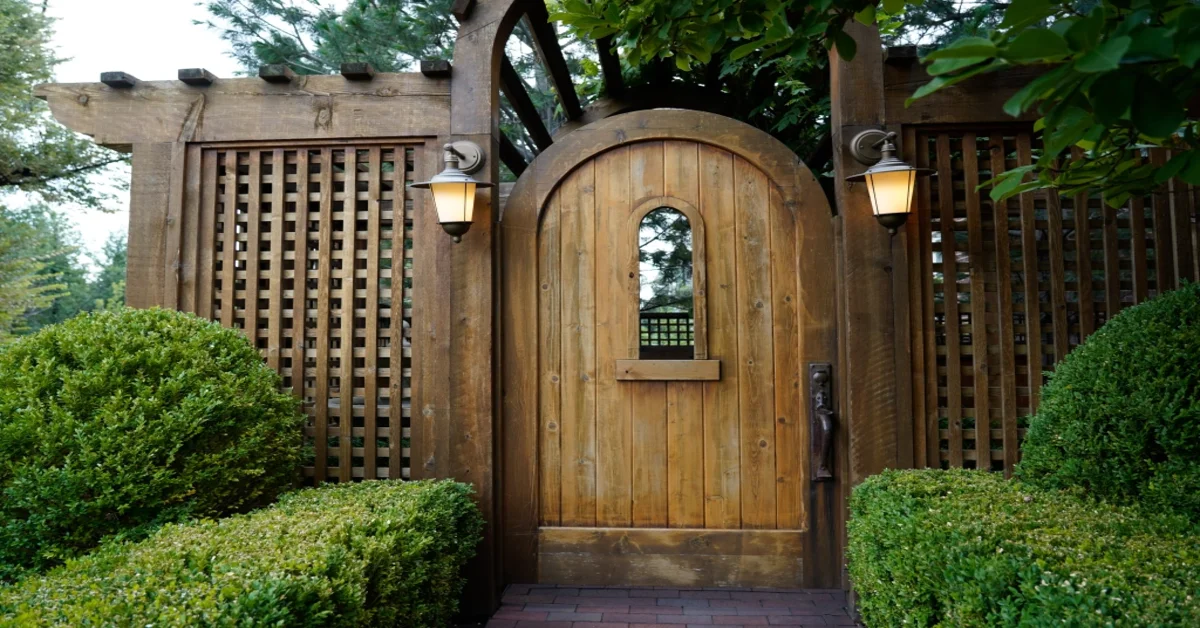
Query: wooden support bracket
x=276 y=73
x=358 y=71
x=511 y=156
x=610 y=66
x=119 y=80
x=197 y=77
x=518 y=96
x=461 y=9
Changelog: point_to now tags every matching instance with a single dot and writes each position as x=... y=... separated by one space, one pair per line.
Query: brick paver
x=549 y=606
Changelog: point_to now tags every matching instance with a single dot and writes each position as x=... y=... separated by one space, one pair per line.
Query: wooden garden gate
x=695 y=471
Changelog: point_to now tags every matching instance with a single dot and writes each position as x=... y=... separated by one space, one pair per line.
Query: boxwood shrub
x=112 y=423
x=1120 y=416
x=968 y=548
x=384 y=553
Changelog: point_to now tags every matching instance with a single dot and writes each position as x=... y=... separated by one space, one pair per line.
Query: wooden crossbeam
x=518 y=97
x=610 y=66
x=511 y=156
x=545 y=41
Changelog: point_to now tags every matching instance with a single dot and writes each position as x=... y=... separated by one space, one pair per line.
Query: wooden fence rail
x=999 y=292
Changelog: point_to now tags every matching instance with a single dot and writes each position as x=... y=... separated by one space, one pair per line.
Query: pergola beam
x=545 y=41
x=511 y=156
x=610 y=66
x=518 y=96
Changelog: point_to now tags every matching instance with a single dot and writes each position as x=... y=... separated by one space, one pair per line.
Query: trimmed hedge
x=114 y=422
x=968 y=548
x=384 y=553
x=1120 y=416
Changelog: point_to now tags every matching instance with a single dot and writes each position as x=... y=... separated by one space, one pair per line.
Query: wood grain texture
x=670 y=557
x=1004 y=328
x=1029 y=267
x=980 y=343
x=667 y=370
x=149 y=202
x=791 y=472
x=950 y=302
x=550 y=364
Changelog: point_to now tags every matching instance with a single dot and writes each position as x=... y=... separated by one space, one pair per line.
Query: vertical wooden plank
x=191 y=232
x=1112 y=266
x=275 y=293
x=646 y=163
x=229 y=242
x=685 y=404
x=791 y=459
x=915 y=242
x=722 y=451
x=1004 y=328
x=1164 y=240
x=206 y=239
x=371 y=373
x=1137 y=237
x=1083 y=260
x=1058 y=276
x=950 y=290
x=149 y=199
x=346 y=372
x=1029 y=267
x=324 y=287
x=616 y=288
x=578 y=226
x=929 y=337
x=396 y=341
x=550 y=461
x=756 y=377
x=979 y=336
x=253 y=248
x=1181 y=219
x=300 y=278
x=173 y=254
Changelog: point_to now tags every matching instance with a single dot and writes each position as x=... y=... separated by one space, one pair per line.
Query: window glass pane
x=665 y=265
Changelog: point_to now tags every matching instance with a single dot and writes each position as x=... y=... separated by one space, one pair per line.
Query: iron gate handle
x=824 y=420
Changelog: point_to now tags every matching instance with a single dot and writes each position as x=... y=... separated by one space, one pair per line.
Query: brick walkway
x=548 y=606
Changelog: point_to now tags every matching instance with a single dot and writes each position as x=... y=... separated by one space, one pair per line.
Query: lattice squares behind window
x=313 y=260
x=999 y=292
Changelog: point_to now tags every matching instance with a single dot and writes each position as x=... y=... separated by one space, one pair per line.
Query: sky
x=150 y=39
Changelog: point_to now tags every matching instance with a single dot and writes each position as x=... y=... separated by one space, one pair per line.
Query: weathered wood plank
x=670 y=557
x=149 y=201
x=617 y=296
x=550 y=461
x=1029 y=267
x=349 y=235
x=977 y=269
x=371 y=359
x=668 y=370
x=722 y=451
x=275 y=281
x=299 y=277
x=791 y=468
x=206 y=238
x=253 y=246
x=324 y=310
x=578 y=225
x=1058 y=276
x=1004 y=327
x=950 y=293
x=1164 y=240
x=756 y=368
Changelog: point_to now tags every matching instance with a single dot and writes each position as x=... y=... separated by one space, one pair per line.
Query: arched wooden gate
x=693 y=472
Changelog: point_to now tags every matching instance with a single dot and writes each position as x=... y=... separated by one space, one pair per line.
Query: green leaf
x=1006 y=184
x=1024 y=12
x=940 y=82
x=1173 y=167
x=1036 y=44
x=1034 y=90
x=893 y=6
x=946 y=66
x=1150 y=44
x=846 y=46
x=1191 y=174
x=1084 y=33
x=1105 y=57
x=1156 y=111
x=866 y=16
x=965 y=47
x=746 y=49
x=1111 y=94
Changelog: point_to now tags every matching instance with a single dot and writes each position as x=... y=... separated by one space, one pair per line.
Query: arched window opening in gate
x=667 y=321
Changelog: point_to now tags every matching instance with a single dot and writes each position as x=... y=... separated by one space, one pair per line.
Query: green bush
x=968 y=548
x=1120 y=416
x=115 y=422
x=382 y=553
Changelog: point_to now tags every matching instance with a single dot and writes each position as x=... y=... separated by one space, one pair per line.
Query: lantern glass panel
x=891 y=192
x=455 y=201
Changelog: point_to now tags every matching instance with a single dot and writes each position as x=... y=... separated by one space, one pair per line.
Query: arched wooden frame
x=699 y=275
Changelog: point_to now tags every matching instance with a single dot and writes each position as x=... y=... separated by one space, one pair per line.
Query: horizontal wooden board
x=670 y=557
x=669 y=370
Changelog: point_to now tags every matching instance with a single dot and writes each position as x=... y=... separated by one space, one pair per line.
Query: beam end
x=436 y=68
x=119 y=80
x=358 y=71
x=276 y=73
x=196 y=77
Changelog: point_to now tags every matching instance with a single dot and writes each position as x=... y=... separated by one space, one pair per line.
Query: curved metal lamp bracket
x=865 y=147
x=470 y=155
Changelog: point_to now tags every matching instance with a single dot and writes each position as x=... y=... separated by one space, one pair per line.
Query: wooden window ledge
x=669 y=370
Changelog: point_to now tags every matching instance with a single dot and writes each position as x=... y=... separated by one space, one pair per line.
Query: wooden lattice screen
x=1040 y=286
x=313 y=261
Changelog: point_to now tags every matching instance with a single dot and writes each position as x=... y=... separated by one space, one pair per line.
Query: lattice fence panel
x=313 y=260
x=999 y=292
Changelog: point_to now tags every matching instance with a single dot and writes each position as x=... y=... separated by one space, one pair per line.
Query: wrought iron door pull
x=824 y=420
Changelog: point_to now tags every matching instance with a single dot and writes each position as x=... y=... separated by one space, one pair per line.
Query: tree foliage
x=1119 y=75
x=665 y=260
x=38 y=155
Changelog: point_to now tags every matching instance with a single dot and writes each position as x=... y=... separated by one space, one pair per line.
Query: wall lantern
x=454 y=188
x=890 y=181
